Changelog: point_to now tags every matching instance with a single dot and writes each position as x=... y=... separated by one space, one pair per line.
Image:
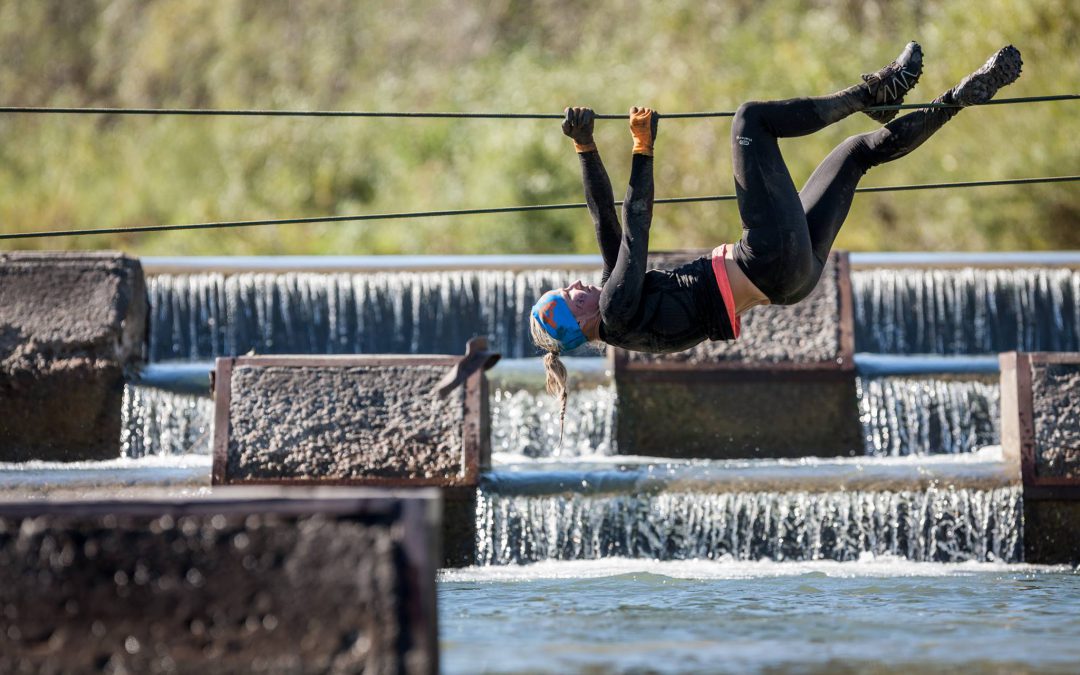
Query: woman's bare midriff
x=743 y=291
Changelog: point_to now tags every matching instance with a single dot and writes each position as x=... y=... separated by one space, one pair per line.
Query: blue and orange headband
x=558 y=321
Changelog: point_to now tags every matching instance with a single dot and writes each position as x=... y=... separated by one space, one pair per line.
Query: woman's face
x=584 y=300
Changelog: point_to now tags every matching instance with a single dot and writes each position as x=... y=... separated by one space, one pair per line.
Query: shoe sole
x=1001 y=69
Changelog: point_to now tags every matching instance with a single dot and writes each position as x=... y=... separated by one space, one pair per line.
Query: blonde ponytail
x=554 y=370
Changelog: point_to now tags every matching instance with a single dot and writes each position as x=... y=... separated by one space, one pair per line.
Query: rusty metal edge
x=345 y=360
x=735 y=366
x=222 y=401
x=484 y=460
x=847 y=310
x=1067 y=358
x=1025 y=423
x=367 y=481
x=737 y=375
x=470 y=430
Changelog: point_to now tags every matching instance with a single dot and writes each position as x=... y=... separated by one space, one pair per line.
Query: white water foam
x=867 y=565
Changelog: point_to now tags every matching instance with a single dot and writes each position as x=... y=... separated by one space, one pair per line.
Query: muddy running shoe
x=999 y=70
x=889 y=85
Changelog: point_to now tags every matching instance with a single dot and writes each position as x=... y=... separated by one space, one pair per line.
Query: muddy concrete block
x=352 y=419
x=355 y=420
x=785 y=388
x=246 y=580
x=1040 y=432
x=1055 y=392
x=738 y=415
x=1052 y=531
x=70 y=324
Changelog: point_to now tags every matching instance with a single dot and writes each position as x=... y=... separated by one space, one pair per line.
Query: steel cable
x=487 y=211
x=250 y=112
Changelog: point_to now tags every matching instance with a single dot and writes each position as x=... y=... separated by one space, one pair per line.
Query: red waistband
x=724 y=283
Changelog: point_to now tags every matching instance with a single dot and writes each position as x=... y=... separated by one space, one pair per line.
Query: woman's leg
x=827 y=195
x=775 y=250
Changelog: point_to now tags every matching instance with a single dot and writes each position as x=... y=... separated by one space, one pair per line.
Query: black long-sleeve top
x=647 y=310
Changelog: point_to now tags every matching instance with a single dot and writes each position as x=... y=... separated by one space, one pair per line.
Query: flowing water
x=898 y=311
x=526 y=422
x=938 y=525
x=201 y=316
x=158 y=422
x=966 y=311
x=923 y=415
x=875 y=615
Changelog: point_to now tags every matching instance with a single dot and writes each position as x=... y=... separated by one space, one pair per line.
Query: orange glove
x=578 y=125
x=643 y=127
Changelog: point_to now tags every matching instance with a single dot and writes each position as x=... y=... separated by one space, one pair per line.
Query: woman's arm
x=599 y=197
x=622 y=294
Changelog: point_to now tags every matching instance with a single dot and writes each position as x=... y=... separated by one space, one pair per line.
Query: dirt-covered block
x=1055 y=391
x=1040 y=431
x=1040 y=416
x=350 y=419
x=246 y=580
x=70 y=324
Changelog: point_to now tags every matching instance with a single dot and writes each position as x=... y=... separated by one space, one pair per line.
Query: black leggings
x=787 y=234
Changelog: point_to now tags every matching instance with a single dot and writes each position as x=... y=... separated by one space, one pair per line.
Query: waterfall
x=916 y=416
x=944 y=525
x=524 y=422
x=966 y=311
x=157 y=422
x=906 y=310
x=201 y=316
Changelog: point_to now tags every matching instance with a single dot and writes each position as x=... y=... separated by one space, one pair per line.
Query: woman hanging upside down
x=787 y=234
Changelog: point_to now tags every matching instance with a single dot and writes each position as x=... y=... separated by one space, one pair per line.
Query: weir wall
x=71 y=324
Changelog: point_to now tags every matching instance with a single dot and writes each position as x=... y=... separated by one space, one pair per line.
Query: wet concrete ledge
x=70 y=325
x=376 y=263
x=247 y=580
x=1040 y=432
x=981 y=471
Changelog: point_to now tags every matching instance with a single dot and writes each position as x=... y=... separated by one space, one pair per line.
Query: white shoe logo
x=743 y=140
x=893 y=88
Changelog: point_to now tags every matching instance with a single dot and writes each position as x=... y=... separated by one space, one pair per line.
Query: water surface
x=873 y=615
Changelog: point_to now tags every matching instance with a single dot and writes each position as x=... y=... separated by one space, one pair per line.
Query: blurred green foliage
x=507 y=56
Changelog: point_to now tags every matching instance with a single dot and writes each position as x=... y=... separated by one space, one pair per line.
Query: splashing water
x=156 y=422
x=526 y=423
x=917 y=416
x=936 y=525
